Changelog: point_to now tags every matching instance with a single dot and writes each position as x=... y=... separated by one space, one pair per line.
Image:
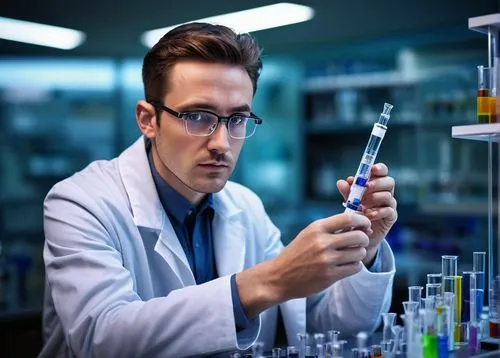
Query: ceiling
x=113 y=27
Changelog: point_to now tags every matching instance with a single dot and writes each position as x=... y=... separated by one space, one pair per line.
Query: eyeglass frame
x=224 y=119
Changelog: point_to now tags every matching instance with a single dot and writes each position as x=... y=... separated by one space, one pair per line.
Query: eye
x=198 y=117
x=238 y=120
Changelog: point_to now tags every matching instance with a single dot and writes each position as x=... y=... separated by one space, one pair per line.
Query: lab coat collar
x=228 y=232
x=144 y=201
x=139 y=185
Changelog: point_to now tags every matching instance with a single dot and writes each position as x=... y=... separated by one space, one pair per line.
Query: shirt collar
x=173 y=202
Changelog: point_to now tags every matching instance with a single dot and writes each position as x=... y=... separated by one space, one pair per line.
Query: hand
x=378 y=204
x=324 y=252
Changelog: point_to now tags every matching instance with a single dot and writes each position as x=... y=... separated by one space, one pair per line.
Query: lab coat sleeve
x=355 y=303
x=101 y=313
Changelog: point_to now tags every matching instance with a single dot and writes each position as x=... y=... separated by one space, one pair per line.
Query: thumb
x=344 y=188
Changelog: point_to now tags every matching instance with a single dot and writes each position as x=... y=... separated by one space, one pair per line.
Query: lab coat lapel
x=229 y=236
x=148 y=212
x=169 y=247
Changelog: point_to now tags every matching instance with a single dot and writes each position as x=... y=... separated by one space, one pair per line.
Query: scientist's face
x=196 y=165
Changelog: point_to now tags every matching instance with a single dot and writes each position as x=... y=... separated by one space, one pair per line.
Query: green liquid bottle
x=430 y=346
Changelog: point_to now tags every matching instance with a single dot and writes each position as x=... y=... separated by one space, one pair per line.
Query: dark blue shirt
x=193 y=227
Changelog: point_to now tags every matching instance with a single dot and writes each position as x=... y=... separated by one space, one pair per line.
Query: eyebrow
x=212 y=108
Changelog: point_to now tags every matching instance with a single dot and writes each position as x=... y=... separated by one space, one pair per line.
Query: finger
x=388 y=213
x=344 y=187
x=349 y=239
x=378 y=199
x=344 y=222
x=380 y=184
x=380 y=169
x=348 y=269
x=350 y=255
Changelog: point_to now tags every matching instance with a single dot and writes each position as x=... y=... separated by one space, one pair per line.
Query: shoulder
x=100 y=179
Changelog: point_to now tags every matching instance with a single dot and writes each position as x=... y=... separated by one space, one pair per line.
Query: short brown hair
x=198 y=41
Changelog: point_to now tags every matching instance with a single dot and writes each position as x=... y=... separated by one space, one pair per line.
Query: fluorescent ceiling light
x=40 y=34
x=259 y=18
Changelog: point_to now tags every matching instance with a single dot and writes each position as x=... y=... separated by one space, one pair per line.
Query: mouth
x=214 y=166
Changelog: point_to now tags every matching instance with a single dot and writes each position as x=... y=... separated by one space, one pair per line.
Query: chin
x=213 y=186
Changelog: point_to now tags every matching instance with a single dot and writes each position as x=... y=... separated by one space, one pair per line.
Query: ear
x=145 y=116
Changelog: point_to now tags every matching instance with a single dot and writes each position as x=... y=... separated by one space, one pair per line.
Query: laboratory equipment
x=449 y=265
x=429 y=338
x=432 y=289
x=276 y=352
x=449 y=301
x=411 y=326
x=458 y=308
x=292 y=352
x=479 y=268
x=362 y=350
x=466 y=295
x=388 y=321
x=387 y=349
x=258 y=350
x=442 y=321
x=483 y=95
x=434 y=278
x=367 y=160
x=494 y=307
x=376 y=351
x=397 y=331
x=303 y=338
x=320 y=345
x=415 y=293
x=473 y=323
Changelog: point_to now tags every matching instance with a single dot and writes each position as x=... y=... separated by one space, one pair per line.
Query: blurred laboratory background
x=323 y=85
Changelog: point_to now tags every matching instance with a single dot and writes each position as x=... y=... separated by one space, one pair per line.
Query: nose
x=219 y=140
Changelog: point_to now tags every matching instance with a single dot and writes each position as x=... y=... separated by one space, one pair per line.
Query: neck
x=194 y=197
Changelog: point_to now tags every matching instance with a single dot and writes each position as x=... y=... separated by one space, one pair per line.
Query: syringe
x=365 y=166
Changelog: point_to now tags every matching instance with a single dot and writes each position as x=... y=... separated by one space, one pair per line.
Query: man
x=156 y=254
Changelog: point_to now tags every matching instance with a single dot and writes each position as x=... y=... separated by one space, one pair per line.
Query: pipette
x=367 y=160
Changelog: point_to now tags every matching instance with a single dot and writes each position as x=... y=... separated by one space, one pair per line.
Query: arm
x=355 y=303
x=95 y=297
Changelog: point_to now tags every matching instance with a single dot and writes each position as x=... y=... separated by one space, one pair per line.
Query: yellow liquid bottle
x=483 y=106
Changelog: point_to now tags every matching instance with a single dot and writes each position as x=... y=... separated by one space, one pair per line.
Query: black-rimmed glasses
x=204 y=123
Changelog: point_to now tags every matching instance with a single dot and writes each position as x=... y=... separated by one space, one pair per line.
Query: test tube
x=458 y=308
x=466 y=295
x=415 y=293
x=449 y=301
x=434 y=278
x=479 y=267
x=494 y=306
x=483 y=80
x=449 y=265
x=443 y=313
x=473 y=324
x=432 y=289
x=429 y=337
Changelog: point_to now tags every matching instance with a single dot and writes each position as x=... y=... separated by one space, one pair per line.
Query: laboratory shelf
x=484 y=23
x=480 y=132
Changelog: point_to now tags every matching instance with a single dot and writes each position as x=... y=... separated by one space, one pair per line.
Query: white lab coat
x=119 y=284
